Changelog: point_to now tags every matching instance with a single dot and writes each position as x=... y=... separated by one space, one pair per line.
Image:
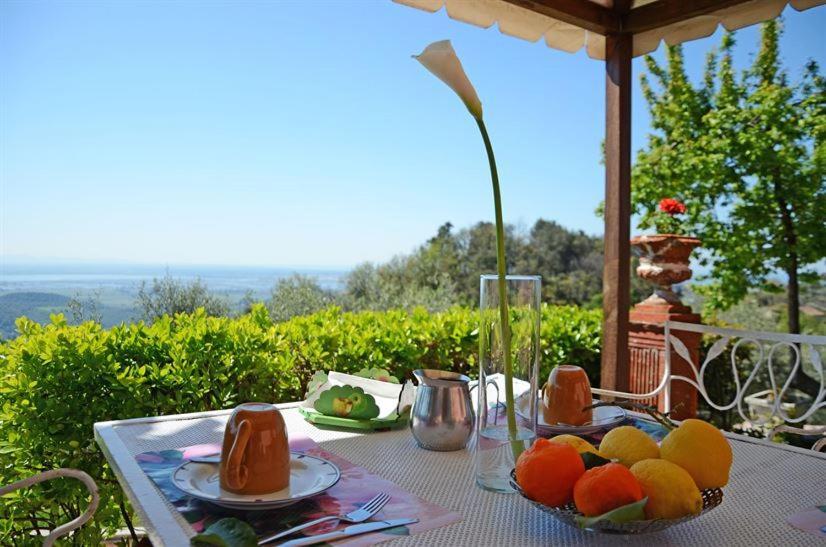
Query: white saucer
x=603 y=418
x=309 y=476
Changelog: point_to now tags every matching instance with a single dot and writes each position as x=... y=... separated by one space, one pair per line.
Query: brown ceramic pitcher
x=255 y=456
x=565 y=395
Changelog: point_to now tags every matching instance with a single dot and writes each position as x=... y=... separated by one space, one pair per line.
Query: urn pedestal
x=664 y=260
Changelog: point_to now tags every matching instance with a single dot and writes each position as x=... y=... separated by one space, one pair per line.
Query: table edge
x=163 y=528
x=160 y=523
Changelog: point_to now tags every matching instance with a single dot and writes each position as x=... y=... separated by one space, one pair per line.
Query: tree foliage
x=82 y=308
x=746 y=153
x=445 y=270
x=297 y=295
x=169 y=296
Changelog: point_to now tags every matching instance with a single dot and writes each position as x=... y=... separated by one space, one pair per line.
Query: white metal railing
x=54 y=474
x=767 y=344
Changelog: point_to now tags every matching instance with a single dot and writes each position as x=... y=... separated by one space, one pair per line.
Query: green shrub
x=57 y=380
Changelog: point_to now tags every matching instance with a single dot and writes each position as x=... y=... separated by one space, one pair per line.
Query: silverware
x=208 y=458
x=354 y=530
x=442 y=417
x=359 y=515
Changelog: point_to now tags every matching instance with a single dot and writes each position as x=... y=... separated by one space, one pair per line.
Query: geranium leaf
x=227 y=532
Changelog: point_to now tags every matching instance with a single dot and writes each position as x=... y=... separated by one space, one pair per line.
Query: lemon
x=670 y=490
x=628 y=445
x=702 y=450
x=580 y=444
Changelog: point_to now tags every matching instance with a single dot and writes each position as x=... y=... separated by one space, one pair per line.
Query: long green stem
x=504 y=317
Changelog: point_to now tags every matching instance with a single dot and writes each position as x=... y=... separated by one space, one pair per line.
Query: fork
x=359 y=515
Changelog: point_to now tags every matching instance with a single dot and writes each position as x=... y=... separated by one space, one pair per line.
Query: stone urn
x=664 y=260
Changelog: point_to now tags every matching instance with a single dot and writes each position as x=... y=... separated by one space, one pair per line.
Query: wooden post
x=617 y=269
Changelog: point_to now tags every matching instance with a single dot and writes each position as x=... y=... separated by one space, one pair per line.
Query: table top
x=768 y=483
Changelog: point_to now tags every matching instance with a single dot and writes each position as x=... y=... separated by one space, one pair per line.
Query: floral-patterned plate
x=309 y=476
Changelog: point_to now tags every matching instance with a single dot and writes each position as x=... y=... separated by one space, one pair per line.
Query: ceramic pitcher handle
x=237 y=472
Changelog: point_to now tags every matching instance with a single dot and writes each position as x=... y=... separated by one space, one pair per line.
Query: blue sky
x=289 y=133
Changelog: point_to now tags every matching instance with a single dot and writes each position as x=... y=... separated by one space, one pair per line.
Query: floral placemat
x=811 y=520
x=357 y=485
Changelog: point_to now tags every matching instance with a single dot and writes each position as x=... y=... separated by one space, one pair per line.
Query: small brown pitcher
x=565 y=395
x=255 y=456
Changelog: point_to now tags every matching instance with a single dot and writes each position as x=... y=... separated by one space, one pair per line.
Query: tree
x=85 y=308
x=747 y=155
x=168 y=296
x=395 y=284
x=297 y=295
x=445 y=270
x=570 y=263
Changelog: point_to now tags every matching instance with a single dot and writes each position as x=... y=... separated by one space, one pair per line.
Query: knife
x=353 y=530
x=208 y=458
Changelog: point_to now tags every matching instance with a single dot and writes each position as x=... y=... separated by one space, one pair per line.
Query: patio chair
x=818 y=446
x=53 y=474
x=766 y=346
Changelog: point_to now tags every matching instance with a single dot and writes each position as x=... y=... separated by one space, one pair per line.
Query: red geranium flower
x=672 y=206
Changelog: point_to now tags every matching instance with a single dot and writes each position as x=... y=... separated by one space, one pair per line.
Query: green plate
x=392 y=422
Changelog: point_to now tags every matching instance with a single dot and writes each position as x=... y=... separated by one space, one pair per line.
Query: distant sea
x=38 y=289
x=89 y=276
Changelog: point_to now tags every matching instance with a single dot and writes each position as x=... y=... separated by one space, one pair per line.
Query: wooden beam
x=581 y=13
x=666 y=12
x=622 y=7
x=616 y=276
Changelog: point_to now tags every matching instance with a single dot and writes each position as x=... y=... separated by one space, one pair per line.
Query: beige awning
x=533 y=20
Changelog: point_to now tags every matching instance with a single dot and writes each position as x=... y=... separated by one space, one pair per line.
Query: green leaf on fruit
x=347 y=402
x=592 y=460
x=228 y=532
x=626 y=513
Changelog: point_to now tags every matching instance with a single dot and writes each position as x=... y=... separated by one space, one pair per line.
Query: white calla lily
x=440 y=59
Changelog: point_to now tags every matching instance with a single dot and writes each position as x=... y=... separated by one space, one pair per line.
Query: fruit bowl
x=569 y=515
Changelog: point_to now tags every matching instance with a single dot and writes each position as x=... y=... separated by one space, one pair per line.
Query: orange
x=604 y=488
x=548 y=470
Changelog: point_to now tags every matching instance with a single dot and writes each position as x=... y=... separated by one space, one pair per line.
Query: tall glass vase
x=500 y=438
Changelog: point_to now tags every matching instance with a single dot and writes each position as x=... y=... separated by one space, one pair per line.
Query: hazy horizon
x=18 y=261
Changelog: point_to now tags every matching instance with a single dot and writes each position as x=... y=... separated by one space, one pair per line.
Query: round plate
x=309 y=476
x=604 y=417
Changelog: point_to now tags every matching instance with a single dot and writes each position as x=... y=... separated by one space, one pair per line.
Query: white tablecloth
x=768 y=482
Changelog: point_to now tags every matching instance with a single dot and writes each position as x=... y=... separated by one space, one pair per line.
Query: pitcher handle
x=237 y=474
x=399 y=400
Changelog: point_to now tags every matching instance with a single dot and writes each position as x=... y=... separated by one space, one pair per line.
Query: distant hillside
x=37 y=306
x=34 y=305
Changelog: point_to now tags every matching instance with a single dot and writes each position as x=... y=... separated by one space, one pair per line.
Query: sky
x=291 y=133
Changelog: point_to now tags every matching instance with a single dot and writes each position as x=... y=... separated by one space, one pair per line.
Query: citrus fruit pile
x=628 y=471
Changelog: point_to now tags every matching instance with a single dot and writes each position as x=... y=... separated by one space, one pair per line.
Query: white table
x=768 y=482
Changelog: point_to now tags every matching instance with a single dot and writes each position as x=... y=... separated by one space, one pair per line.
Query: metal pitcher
x=442 y=416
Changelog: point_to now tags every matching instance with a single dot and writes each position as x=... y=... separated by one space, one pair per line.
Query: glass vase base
x=496 y=454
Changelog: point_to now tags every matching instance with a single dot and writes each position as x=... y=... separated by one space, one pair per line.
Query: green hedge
x=57 y=380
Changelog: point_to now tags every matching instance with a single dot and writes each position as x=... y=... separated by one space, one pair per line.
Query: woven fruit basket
x=570 y=516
